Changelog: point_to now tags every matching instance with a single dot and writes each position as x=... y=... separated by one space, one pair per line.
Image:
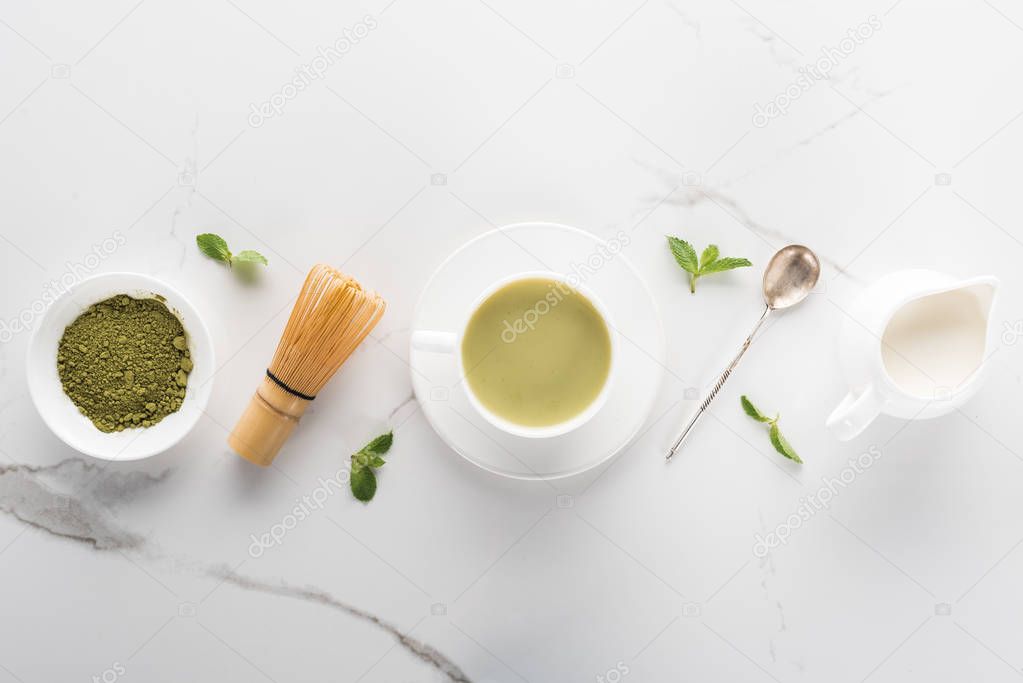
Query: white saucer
x=445 y=302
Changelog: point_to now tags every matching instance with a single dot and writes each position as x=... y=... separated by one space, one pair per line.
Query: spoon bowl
x=790 y=276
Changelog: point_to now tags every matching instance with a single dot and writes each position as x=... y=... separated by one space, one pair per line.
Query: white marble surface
x=132 y=121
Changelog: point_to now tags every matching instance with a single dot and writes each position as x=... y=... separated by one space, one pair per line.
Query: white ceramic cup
x=451 y=343
x=61 y=415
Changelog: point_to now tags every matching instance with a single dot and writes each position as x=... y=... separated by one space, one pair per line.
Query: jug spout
x=980 y=291
x=984 y=290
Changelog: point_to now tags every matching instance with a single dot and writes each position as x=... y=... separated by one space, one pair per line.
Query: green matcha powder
x=125 y=362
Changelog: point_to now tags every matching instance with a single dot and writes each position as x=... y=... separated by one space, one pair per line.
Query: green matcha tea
x=536 y=352
x=124 y=363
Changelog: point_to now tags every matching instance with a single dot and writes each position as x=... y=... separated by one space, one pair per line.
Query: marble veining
x=688 y=197
x=321 y=597
x=74 y=499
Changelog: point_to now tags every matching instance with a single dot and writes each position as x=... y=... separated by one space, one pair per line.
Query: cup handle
x=434 y=342
x=854 y=414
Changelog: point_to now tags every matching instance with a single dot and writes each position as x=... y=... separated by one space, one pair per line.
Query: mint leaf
x=782 y=445
x=244 y=262
x=752 y=411
x=213 y=246
x=249 y=256
x=710 y=254
x=724 y=264
x=381 y=444
x=708 y=262
x=684 y=254
x=363 y=481
x=363 y=484
x=779 y=442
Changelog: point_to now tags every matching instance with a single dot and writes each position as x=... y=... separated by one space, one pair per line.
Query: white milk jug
x=914 y=346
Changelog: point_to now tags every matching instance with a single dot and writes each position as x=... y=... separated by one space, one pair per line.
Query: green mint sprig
x=779 y=442
x=216 y=248
x=709 y=262
x=363 y=481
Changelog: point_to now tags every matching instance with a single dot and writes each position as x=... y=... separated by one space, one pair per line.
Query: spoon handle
x=717 y=385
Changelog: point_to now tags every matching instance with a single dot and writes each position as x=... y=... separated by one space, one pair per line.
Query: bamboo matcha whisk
x=332 y=316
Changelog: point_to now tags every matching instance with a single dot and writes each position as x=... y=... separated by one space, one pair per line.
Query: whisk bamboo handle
x=267 y=423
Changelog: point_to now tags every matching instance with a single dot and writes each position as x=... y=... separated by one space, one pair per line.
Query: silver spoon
x=788 y=279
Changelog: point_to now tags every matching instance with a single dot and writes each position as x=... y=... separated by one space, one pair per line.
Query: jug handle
x=854 y=414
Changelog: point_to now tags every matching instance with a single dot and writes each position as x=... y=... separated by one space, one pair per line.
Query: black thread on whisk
x=288 y=389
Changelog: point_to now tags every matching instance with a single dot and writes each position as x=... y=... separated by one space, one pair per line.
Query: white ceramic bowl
x=61 y=415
